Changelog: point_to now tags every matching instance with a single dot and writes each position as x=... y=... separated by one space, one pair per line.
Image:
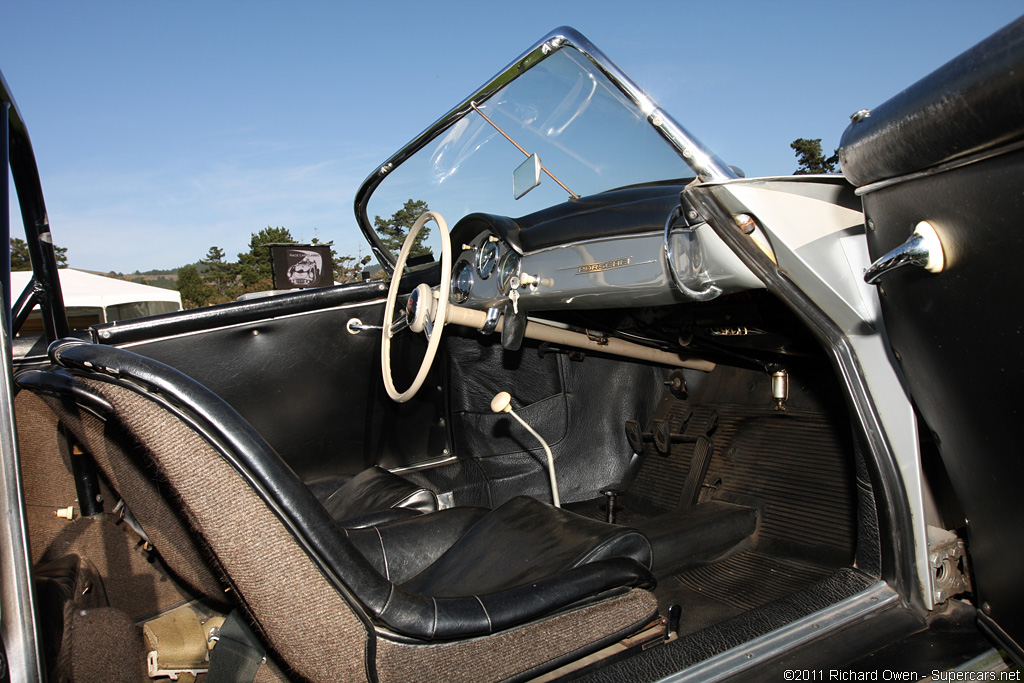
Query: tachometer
x=486 y=258
x=462 y=282
x=507 y=269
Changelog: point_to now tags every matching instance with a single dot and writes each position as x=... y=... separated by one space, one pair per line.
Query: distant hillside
x=168 y=279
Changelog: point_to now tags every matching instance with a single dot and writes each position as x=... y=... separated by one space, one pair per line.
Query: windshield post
x=45 y=280
x=5 y=219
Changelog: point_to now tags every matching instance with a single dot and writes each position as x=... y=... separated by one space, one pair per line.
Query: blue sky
x=164 y=128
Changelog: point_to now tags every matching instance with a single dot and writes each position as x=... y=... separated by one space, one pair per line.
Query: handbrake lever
x=502 y=403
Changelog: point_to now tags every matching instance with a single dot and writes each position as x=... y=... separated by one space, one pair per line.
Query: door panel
x=947 y=150
x=291 y=368
x=959 y=338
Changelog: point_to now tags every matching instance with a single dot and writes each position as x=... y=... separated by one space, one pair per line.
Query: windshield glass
x=585 y=131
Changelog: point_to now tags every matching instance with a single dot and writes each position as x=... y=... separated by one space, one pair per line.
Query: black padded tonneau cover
x=977 y=98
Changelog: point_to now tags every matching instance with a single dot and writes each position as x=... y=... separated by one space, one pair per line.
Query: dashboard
x=596 y=252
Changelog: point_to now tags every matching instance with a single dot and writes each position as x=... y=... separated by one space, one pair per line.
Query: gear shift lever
x=502 y=403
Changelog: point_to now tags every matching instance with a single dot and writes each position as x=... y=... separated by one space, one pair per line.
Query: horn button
x=417 y=311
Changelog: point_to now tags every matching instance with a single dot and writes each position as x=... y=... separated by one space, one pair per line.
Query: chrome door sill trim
x=770 y=645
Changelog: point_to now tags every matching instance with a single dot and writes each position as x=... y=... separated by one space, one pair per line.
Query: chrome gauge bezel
x=487 y=258
x=462 y=282
x=510 y=266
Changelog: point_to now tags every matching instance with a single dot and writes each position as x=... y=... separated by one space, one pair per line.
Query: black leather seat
x=382 y=602
x=473 y=551
x=374 y=496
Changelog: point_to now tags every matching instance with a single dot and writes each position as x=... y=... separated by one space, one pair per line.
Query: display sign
x=298 y=266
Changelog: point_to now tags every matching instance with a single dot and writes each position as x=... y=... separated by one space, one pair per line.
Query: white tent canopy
x=87 y=290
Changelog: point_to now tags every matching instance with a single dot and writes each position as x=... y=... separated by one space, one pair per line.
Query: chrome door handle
x=923 y=248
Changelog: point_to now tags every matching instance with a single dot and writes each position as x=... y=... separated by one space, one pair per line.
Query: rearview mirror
x=526 y=176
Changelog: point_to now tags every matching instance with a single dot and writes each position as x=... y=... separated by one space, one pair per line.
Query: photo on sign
x=302 y=266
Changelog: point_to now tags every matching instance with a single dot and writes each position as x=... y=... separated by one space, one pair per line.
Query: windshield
x=589 y=136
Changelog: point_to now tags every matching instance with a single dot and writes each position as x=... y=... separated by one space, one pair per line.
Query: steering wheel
x=425 y=311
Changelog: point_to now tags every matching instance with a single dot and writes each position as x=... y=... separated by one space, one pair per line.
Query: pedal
x=711 y=424
x=611 y=497
x=637 y=437
x=698 y=471
x=664 y=437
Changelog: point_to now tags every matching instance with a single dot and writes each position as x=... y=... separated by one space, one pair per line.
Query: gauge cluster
x=484 y=271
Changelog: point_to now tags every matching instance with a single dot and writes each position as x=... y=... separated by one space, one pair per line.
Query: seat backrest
x=233 y=521
x=61 y=405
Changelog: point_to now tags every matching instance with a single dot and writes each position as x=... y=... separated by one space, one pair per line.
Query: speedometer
x=462 y=282
x=507 y=269
x=486 y=258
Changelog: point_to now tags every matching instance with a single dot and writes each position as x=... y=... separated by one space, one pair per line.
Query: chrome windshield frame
x=704 y=163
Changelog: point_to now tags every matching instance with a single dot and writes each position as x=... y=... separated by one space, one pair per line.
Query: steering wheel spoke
x=422 y=312
x=398 y=325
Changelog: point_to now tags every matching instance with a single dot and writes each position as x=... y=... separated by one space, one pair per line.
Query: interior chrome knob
x=923 y=248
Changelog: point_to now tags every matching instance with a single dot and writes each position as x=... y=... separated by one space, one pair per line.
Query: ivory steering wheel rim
x=434 y=338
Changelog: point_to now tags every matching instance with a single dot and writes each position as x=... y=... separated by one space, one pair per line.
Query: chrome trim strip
x=424 y=465
x=731 y=662
x=613 y=264
x=706 y=165
x=941 y=168
x=592 y=240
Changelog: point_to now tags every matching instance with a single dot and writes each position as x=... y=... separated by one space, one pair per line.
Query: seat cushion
x=374 y=491
x=522 y=541
x=401 y=549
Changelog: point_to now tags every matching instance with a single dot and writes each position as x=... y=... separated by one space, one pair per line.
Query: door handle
x=923 y=248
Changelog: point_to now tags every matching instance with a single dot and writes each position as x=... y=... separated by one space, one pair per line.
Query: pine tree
x=194 y=292
x=20 y=259
x=393 y=230
x=219 y=275
x=811 y=159
x=255 y=266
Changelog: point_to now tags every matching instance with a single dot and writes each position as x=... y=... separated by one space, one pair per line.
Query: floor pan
x=795 y=468
x=746 y=581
